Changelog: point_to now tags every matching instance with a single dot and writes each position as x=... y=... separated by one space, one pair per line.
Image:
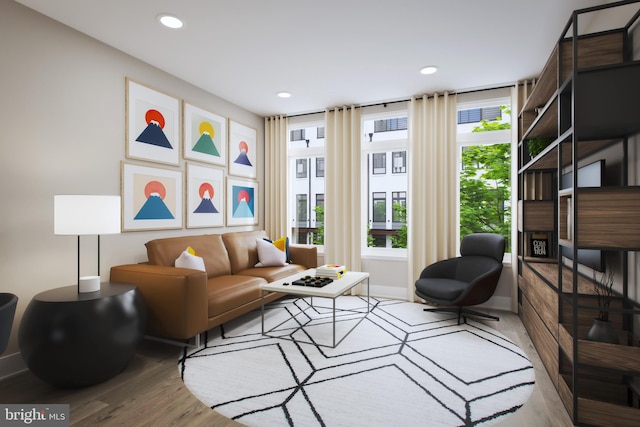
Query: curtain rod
x=400 y=100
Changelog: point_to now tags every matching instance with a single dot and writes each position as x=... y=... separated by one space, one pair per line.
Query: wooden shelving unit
x=586 y=103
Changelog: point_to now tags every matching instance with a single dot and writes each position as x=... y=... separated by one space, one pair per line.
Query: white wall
x=62 y=116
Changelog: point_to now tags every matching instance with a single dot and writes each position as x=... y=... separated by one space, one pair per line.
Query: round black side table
x=74 y=340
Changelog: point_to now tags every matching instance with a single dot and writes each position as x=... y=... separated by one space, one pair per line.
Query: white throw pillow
x=187 y=260
x=269 y=255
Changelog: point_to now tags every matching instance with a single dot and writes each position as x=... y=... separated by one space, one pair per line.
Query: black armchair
x=467 y=280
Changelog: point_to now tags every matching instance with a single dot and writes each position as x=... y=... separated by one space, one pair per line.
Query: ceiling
x=331 y=52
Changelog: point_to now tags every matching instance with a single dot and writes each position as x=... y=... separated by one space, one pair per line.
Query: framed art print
x=151 y=198
x=205 y=135
x=152 y=125
x=242 y=150
x=205 y=197
x=242 y=202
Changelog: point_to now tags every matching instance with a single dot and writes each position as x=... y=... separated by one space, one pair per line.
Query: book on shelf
x=330 y=270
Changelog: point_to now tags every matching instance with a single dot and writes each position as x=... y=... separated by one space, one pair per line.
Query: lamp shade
x=83 y=215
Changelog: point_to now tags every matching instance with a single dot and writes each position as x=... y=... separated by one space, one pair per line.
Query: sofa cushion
x=270 y=255
x=242 y=249
x=282 y=244
x=188 y=259
x=209 y=246
x=273 y=273
x=232 y=291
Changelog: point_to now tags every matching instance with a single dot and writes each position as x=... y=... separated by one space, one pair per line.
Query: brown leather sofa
x=182 y=303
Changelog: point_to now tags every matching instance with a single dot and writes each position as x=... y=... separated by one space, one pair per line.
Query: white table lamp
x=81 y=215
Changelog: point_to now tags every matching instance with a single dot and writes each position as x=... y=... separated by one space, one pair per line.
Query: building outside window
x=306 y=181
x=384 y=148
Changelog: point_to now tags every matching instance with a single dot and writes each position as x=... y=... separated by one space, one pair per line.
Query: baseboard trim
x=11 y=365
x=497 y=303
x=391 y=292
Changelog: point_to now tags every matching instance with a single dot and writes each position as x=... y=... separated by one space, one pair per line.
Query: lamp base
x=89 y=284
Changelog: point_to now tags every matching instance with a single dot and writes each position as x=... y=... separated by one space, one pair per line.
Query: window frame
x=387 y=144
x=467 y=139
x=299 y=150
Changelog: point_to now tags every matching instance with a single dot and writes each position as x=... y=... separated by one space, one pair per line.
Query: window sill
x=385 y=254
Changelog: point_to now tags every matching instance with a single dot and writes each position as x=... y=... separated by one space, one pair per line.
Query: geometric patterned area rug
x=400 y=366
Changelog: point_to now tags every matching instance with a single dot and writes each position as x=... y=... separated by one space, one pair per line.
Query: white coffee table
x=333 y=290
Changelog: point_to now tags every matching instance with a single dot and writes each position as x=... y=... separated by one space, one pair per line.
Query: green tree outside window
x=485 y=186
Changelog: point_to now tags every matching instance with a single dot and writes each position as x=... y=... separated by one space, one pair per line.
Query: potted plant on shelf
x=602 y=330
x=536 y=145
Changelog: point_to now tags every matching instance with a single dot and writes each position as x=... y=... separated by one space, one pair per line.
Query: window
x=302 y=214
x=399 y=162
x=485 y=171
x=398 y=198
x=475 y=115
x=301 y=168
x=297 y=135
x=379 y=207
x=387 y=125
x=384 y=148
x=379 y=163
x=319 y=167
x=306 y=181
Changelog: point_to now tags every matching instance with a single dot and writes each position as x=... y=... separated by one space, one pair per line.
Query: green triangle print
x=205 y=145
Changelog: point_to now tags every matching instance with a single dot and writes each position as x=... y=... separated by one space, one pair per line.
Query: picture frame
x=152 y=124
x=243 y=156
x=151 y=198
x=205 y=196
x=242 y=202
x=205 y=135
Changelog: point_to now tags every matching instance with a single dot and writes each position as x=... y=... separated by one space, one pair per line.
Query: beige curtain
x=342 y=238
x=275 y=176
x=432 y=193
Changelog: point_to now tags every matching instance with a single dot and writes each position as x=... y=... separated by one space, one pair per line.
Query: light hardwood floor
x=150 y=392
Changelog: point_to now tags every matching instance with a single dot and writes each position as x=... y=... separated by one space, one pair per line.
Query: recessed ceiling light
x=429 y=69
x=170 y=21
x=284 y=94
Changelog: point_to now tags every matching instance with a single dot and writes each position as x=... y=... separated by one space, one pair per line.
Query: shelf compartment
x=593 y=50
x=536 y=215
x=544 y=89
x=545 y=124
x=585 y=285
x=607 y=101
x=607 y=217
x=602 y=355
x=594 y=411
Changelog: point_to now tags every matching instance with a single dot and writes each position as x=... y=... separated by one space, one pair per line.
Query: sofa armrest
x=306 y=255
x=176 y=298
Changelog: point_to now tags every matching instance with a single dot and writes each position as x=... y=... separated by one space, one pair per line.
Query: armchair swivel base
x=462 y=313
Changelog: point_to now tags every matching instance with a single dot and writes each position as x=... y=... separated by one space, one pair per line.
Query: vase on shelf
x=602 y=331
